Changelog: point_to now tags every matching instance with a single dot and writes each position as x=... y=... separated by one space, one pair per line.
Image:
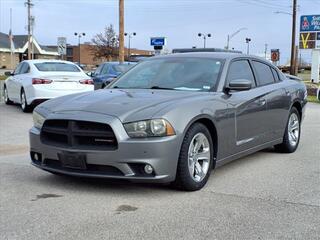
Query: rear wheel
x=195 y=160
x=6 y=96
x=24 y=105
x=291 y=136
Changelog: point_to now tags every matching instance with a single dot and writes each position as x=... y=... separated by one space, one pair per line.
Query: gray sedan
x=171 y=119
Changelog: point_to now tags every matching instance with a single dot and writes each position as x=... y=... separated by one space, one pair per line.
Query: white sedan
x=34 y=81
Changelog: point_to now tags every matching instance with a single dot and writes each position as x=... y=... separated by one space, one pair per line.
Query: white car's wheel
x=6 y=96
x=24 y=104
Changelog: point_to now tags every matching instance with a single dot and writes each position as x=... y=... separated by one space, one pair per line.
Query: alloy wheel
x=293 y=129
x=199 y=157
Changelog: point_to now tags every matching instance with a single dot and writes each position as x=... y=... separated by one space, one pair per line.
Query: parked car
x=107 y=71
x=34 y=81
x=171 y=119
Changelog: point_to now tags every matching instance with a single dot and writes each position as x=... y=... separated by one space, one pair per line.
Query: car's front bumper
x=128 y=159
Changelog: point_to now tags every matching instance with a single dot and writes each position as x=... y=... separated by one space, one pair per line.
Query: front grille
x=81 y=135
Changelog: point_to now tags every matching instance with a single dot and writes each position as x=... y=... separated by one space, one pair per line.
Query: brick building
x=87 y=58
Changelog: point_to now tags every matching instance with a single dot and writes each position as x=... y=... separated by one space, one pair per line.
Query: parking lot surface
x=266 y=195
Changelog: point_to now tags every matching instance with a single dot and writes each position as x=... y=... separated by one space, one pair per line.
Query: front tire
x=6 y=96
x=291 y=137
x=24 y=104
x=195 y=160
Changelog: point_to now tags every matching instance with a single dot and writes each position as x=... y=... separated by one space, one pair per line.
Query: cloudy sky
x=178 y=20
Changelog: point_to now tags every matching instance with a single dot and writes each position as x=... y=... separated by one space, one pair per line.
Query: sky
x=179 y=21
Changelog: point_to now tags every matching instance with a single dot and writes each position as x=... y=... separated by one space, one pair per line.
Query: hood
x=127 y=105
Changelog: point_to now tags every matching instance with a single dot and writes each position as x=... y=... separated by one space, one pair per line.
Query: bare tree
x=106 y=44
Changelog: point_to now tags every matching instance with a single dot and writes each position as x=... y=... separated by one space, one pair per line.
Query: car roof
x=47 y=60
x=215 y=55
x=118 y=63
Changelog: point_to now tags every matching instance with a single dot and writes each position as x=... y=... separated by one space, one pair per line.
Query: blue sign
x=310 y=23
x=318 y=36
x=158 y=41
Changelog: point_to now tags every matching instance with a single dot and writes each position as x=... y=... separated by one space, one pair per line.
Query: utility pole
x=248 y=40
x=121 y=31
x=265 y=50
x=29 y=5
x=293 y=38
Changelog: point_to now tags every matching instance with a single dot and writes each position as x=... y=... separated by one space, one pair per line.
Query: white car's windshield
x=56 y=67
x=193 y=74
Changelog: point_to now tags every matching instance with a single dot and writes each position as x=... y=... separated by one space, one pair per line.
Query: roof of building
x=20 y=42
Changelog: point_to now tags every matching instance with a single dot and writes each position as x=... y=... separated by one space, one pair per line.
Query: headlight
x=149 y=128
x=38 y=120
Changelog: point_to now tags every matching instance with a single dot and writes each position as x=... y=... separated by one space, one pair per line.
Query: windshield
x=193 y=74
x=56 y=67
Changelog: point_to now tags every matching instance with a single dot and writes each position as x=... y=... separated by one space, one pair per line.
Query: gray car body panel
x=244 y=121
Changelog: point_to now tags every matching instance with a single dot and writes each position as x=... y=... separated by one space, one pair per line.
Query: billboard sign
x=157 y=41
x=275 y=55
x=309 y=32
x=310 y=23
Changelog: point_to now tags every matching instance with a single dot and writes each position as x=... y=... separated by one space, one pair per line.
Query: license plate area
x=73 y=160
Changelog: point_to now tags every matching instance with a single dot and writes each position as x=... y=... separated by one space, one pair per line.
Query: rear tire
x=195 y=160
x=291 y=137
x=24 y=104
x=6 y=96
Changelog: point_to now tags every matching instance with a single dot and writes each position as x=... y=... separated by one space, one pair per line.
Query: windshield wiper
x=161 y=88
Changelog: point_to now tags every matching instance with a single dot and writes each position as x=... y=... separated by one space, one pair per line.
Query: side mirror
x=8 y=73
x=239 y=85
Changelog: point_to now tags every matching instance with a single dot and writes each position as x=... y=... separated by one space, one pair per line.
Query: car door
x=249 y=108
x=12 y=84
x=276 y=99
x=24 y=80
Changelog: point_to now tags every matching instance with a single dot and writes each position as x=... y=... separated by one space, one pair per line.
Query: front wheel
x=291 y=136
x=196 y=159
x=6 y=96
x=24 y=104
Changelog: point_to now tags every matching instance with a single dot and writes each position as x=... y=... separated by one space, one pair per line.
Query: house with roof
x=20 y=50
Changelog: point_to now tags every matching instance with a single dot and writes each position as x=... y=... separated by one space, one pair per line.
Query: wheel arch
x=211 y=126
x=298 y=106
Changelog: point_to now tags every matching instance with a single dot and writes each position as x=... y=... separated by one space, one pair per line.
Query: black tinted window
x=98 y=70
x=18 y=69
x=56 y=67
x=25 y=68
x=264 y=73
x=240 y=70
x=275 y=74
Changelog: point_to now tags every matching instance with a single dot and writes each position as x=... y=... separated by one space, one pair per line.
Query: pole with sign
x=310 y=39
x=62 y=46
x=158 y=43
x=275 y=56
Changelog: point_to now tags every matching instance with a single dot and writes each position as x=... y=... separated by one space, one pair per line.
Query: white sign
x=62 y=45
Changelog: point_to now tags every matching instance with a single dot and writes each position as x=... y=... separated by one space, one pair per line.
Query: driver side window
x=240 y=69
x=18 y=69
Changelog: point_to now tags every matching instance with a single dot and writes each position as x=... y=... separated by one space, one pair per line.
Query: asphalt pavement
x=266 y=195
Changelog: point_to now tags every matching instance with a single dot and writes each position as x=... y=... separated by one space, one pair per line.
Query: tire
x=24 y=105
x=291 y=137
x=188 y=176
x=6 y=96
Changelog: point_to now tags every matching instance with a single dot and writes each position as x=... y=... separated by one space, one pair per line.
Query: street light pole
x=79 y=46
x=248 y=40
x=204 y=38
x=233 y=34
x=129 y=40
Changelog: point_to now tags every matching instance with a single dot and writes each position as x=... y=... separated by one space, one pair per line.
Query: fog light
x=36 y=157
x=148 y=169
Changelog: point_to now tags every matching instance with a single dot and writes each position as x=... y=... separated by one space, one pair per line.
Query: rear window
x=123 y=68
x=56 y=67
x=265 y=75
